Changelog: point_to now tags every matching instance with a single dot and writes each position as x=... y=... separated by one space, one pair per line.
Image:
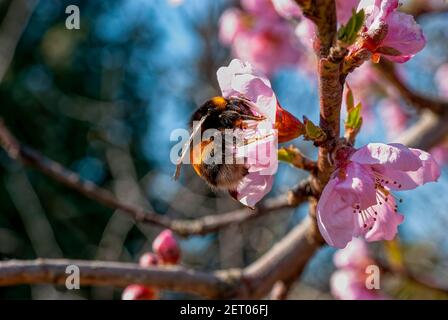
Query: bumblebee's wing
x=186 y=147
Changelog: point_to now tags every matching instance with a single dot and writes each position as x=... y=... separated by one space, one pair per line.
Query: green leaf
x=349 y=32
x=354 y=119
x=313 y=132
x=349 y=100
x=286 y=155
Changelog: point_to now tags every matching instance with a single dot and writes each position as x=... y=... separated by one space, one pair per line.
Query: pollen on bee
x=219 y=102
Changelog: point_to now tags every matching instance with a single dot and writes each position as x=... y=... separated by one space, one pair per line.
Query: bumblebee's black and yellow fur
x=218 y=113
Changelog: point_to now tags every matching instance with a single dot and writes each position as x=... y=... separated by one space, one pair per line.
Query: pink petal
x=357 y=186
x=262 y=155
x=225 y=75
x=386 y=226
x=260 y=8
x=259 y=91
x=355 y=255
x=334 y=217
x=387 y=7
x=394 y=156
x=404 y=35
x=269 y=45
x=287 y=8
x=239 y=79
x=344 y=9
x=350 y=285
x=429 y=171
x=230 y=24
x=253 y=188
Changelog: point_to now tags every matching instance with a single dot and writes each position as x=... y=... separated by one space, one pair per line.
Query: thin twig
x=419 y=101
x=15 y=21
x=281 y=290
x=182 y=227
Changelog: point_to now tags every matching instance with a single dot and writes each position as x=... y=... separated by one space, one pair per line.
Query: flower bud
x=138 y=292
x=166 y=247
x=149 y=259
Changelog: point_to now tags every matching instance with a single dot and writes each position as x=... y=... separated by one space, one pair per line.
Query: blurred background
x=103 y=100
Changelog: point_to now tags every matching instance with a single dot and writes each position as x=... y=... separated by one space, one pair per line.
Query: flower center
x=382 y=181
x=383 y=201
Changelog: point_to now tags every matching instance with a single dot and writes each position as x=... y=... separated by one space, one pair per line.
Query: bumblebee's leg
x=228 y=118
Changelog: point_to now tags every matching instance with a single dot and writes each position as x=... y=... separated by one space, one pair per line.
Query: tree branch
x=15 y=21
x=297 y=159
x=429 y=130
x=323 y=14
x=285 y=260
x=15 y=272
x=31 y=157
x=281 y=290
x=387 y=70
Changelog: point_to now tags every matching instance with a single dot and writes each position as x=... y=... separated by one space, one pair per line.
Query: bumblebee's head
x=215 y=105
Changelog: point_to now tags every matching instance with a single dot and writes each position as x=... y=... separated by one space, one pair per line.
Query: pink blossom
x=404 y=37
x=260 y=37
x=240 y=80
x=260 y=8
x=231 y=24
x=138 y=292
x=359 y=200
x=287 y=8
x=354 y=256
x=440 y=153
x=268 y=44
x=149 y=259
x=344 y=9
x=166 y=248
x=348 y=284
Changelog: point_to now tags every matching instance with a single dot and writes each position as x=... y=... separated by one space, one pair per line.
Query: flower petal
x=334 y=217
x=354 y=256
x=351 y=285
x=356 y=185
x=240 y=80
x=386 y=225
x=258 y=90
x=287 y=8
x=225 y=75
x=429 y=171
x=253 y=188
x=404 y=35
x=344 y=10
x=261 y=155
x=393 y=156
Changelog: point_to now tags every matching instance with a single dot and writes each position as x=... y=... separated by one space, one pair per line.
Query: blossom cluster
x=360 y=199
x=166 y=252
x=349 y=281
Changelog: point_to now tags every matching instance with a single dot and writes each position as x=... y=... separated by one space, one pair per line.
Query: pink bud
x=138 y=292
x=149 y=259
x=166 y=248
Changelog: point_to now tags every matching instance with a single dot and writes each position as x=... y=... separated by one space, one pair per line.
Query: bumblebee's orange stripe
x=196 y=155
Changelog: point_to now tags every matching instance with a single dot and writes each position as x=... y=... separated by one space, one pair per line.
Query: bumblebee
x=217 y=113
